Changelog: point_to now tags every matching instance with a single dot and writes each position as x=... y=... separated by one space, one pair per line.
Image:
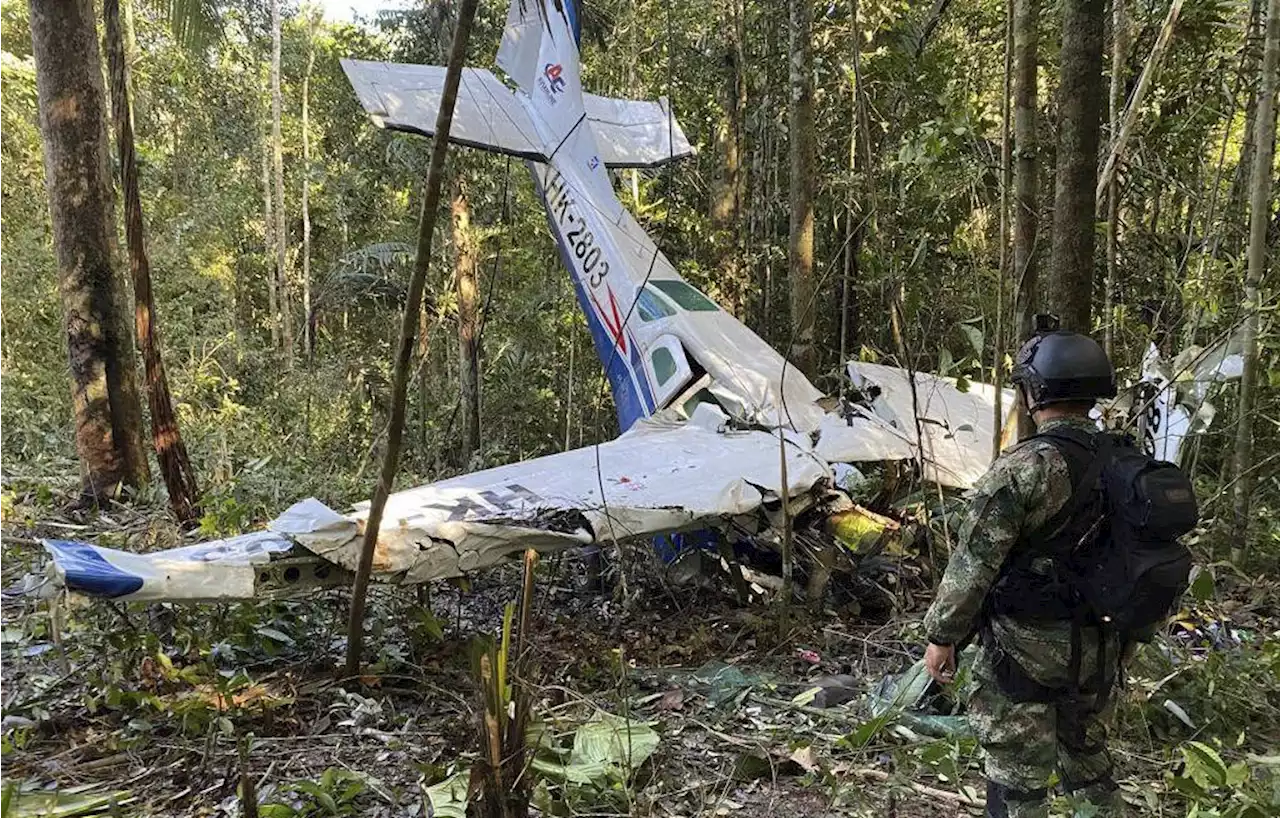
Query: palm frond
x=195 y=24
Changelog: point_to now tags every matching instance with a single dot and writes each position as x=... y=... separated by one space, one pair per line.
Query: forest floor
x=154 y=703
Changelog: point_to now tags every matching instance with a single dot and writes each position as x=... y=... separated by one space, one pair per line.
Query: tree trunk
x=1079 y=120
x=408 y=325
x=1119 y=52
x=1244 y=167
x=108 y=415
x=1006 y=183
x=308 y=327
x=466 y=263
x=1139 y=93
x=171 y=452
x=1259 y=215
x=800 y=138
x=269 y=241
x=1026 y=43
x=285 y=315
x=726 y=206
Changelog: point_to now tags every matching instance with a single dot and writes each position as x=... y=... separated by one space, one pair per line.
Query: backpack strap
x=1084 y=455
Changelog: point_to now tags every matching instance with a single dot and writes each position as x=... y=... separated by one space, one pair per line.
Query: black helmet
x=1061 y=366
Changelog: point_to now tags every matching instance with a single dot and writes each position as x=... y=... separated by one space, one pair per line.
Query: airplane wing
x=662 y=476
x=406 y=97
x=399 y=97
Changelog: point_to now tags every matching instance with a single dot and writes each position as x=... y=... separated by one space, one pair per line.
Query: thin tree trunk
x=1026 y=43
x=726 y=206
x=1075 y=204
x=408 y=325
x=269 y=241
x=1119 y=52
x=1139 y=93
x=800 y=138
x=171 y=452
x=308 y=329
x=1240 y=180
x=1006 y=183
x=1259 y=215
x=108 y=415
x=466 y=262
x=285 y=314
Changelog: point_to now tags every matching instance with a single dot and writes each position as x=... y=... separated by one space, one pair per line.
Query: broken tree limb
x=408 y=331
x=1135 y=101
x=932 y=792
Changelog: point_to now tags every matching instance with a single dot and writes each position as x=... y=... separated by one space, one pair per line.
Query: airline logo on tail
x=553 y=83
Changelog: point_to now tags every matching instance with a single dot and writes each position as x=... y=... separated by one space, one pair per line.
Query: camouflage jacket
x=1026 y=486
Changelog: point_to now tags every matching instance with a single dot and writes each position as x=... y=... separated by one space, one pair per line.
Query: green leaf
x=606 y=750
x=1203 y=585
x=448 y=799
x=974 y=335
x=1204 y=765
x=273 y=634
x=945 y=361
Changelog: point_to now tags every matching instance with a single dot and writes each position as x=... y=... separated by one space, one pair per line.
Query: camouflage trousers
x=1025 y=743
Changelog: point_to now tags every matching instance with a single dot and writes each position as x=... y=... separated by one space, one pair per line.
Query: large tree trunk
x=308 y=327
x=166 y=437
x=466 y=264
x=108 y=415
x=800 y=137
x=1259 y=213
x=285 y=314
x=1079 y=120
x=1026 y=44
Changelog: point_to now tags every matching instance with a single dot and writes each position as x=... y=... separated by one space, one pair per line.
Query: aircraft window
x=651 y=306
x=686 y=296
x=664 y=365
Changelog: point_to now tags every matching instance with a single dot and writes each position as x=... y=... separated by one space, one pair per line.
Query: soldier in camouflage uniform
x=1026 y=738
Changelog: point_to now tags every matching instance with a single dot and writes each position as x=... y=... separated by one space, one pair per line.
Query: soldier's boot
x=1006 y=802
x=1101 y=793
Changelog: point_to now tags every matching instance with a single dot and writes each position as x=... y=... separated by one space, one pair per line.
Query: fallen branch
x=932 y=792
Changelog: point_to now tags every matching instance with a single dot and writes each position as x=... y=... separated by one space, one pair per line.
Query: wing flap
x=635 y=133
x=406 y=98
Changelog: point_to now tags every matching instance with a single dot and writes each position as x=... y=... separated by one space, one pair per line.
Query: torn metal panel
x=861 y=438
x=656 y=479
x=957 y=427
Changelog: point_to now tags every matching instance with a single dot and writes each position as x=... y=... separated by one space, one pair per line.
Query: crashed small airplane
x=708 y=410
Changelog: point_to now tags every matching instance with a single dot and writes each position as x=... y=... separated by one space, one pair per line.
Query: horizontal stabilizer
x=406 y=98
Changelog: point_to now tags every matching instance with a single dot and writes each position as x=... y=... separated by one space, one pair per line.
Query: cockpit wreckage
x=709 y=411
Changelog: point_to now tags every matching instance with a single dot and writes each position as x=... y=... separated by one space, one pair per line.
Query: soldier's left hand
x=940 y=661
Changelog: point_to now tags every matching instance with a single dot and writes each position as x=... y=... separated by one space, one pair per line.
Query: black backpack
x=1114 y=548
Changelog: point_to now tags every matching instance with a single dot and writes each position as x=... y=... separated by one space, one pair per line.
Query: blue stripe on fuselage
x=631 y=394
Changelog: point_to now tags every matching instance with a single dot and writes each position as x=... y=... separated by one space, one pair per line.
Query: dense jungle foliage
x=908 y=104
